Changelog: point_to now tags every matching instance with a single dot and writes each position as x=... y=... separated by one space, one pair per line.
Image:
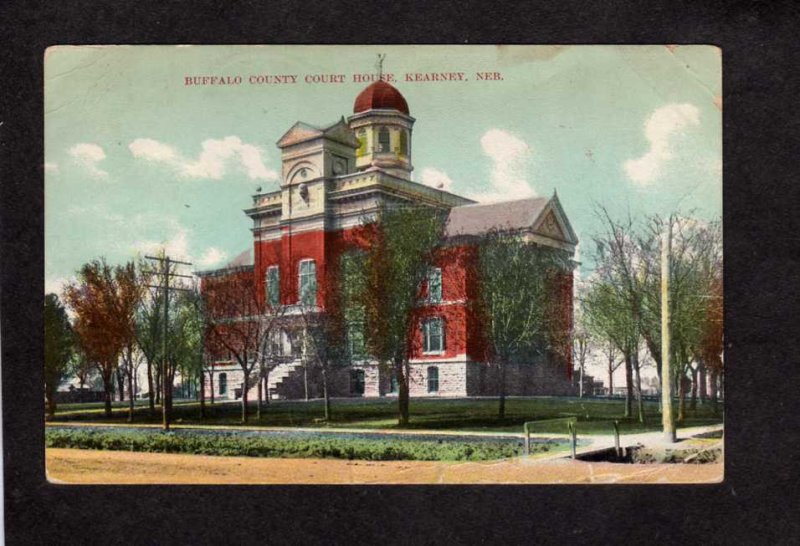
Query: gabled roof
x=517 y=215
x=338 y=131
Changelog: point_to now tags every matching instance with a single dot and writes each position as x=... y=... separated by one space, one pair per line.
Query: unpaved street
x=122 y=467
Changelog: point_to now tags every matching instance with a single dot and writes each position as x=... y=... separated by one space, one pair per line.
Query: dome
x=380 y=95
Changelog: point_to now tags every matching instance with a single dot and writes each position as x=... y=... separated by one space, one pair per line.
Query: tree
x=239 y=322
x=187 y=331
x=58 y=349
x=325 y=332
x=149 y=331
x=516 y=290
x=383 y=286
x=581 y=336
x=104 y=299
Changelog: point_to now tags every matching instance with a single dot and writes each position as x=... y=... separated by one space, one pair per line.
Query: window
x=223 y=383
x=433 y=379
x=273 y=286
x=308 y=282
x=355 y=339
x=357 y=382
x=383 y=140
x=433 y=336
x=393 y=385
x=403 y=143
x=434 y=284
x=362 y=143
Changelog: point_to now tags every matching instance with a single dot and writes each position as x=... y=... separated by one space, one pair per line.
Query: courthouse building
x=333 y=180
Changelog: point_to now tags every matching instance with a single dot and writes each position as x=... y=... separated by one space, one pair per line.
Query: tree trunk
x=703 y=382
x=131 y=396
x=402 y=394
x=681 y=397
x=260 y=396
x=326 y=395
x=158 y=387
x=266 y=386
x=639 y=401
x=693 y=396
x=108 y=385
x=202 y=394
x=305 y=379
x=211 y=384
x=580 y=386
x=610 y=377
x=244 y=399
x=50 y=394
x=501 y=413
x=151 y=396
x=714 y=398
x=121 y=385
x=629 y=386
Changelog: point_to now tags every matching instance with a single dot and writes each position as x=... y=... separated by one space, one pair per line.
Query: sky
x=137 y=160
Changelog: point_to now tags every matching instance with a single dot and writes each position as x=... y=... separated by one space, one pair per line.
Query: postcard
x=383 y=264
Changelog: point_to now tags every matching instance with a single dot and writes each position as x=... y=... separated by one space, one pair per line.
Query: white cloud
x=50 y=167
x=213 y=160
x=55 y=285
x=436 y=179
x=211 y=257
x=176 y=247
x=659 y=129
x=510 y=156
x=89 y=155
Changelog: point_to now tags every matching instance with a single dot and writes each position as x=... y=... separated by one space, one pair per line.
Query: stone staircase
x=277 y=377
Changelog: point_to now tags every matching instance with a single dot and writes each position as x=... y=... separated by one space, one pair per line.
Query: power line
x=165 y=262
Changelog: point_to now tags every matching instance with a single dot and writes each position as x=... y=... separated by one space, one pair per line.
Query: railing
x=572 y=430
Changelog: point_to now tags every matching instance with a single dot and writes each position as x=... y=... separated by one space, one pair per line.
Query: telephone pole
x=667 y=417
x=166 y=275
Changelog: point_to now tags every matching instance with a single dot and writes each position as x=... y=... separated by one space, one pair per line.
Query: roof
x=483 y=217
x=380 y=96
x=242 y=260
x=301 y=132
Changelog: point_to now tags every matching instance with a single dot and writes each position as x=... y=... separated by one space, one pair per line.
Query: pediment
x=298 y=133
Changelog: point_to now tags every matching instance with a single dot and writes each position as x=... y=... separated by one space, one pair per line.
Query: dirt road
x=122 y=467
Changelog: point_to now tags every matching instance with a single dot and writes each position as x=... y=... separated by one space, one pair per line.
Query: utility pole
x=165 y=262
x=667 y=417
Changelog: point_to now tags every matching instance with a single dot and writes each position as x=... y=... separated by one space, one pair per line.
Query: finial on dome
x=379 y=64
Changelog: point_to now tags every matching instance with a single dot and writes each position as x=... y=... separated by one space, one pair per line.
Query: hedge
x=251 y=446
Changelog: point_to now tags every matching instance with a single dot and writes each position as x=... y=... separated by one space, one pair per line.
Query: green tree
x=516 y=300
x=383 y=286
x=58 y=349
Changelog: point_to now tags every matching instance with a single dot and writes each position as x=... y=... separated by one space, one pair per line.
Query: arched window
x=383 y=140
x=433 y=379
x=223 y=383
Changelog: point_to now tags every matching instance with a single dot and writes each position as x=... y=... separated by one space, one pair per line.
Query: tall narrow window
x=394 y=386
x=433 y=335
x=403 y=143
x=433 y=379
x=355 y=339
x=223 y=383
x=308 y=282
x=434 y=284
x=383 y=140
x=273 y=286
x=362 y=143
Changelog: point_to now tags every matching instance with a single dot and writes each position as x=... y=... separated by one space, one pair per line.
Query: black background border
x=756 y=504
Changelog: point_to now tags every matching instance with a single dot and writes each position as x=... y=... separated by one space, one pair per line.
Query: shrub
x=252 y=446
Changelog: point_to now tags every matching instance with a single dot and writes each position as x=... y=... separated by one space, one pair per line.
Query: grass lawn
x=595 y=415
